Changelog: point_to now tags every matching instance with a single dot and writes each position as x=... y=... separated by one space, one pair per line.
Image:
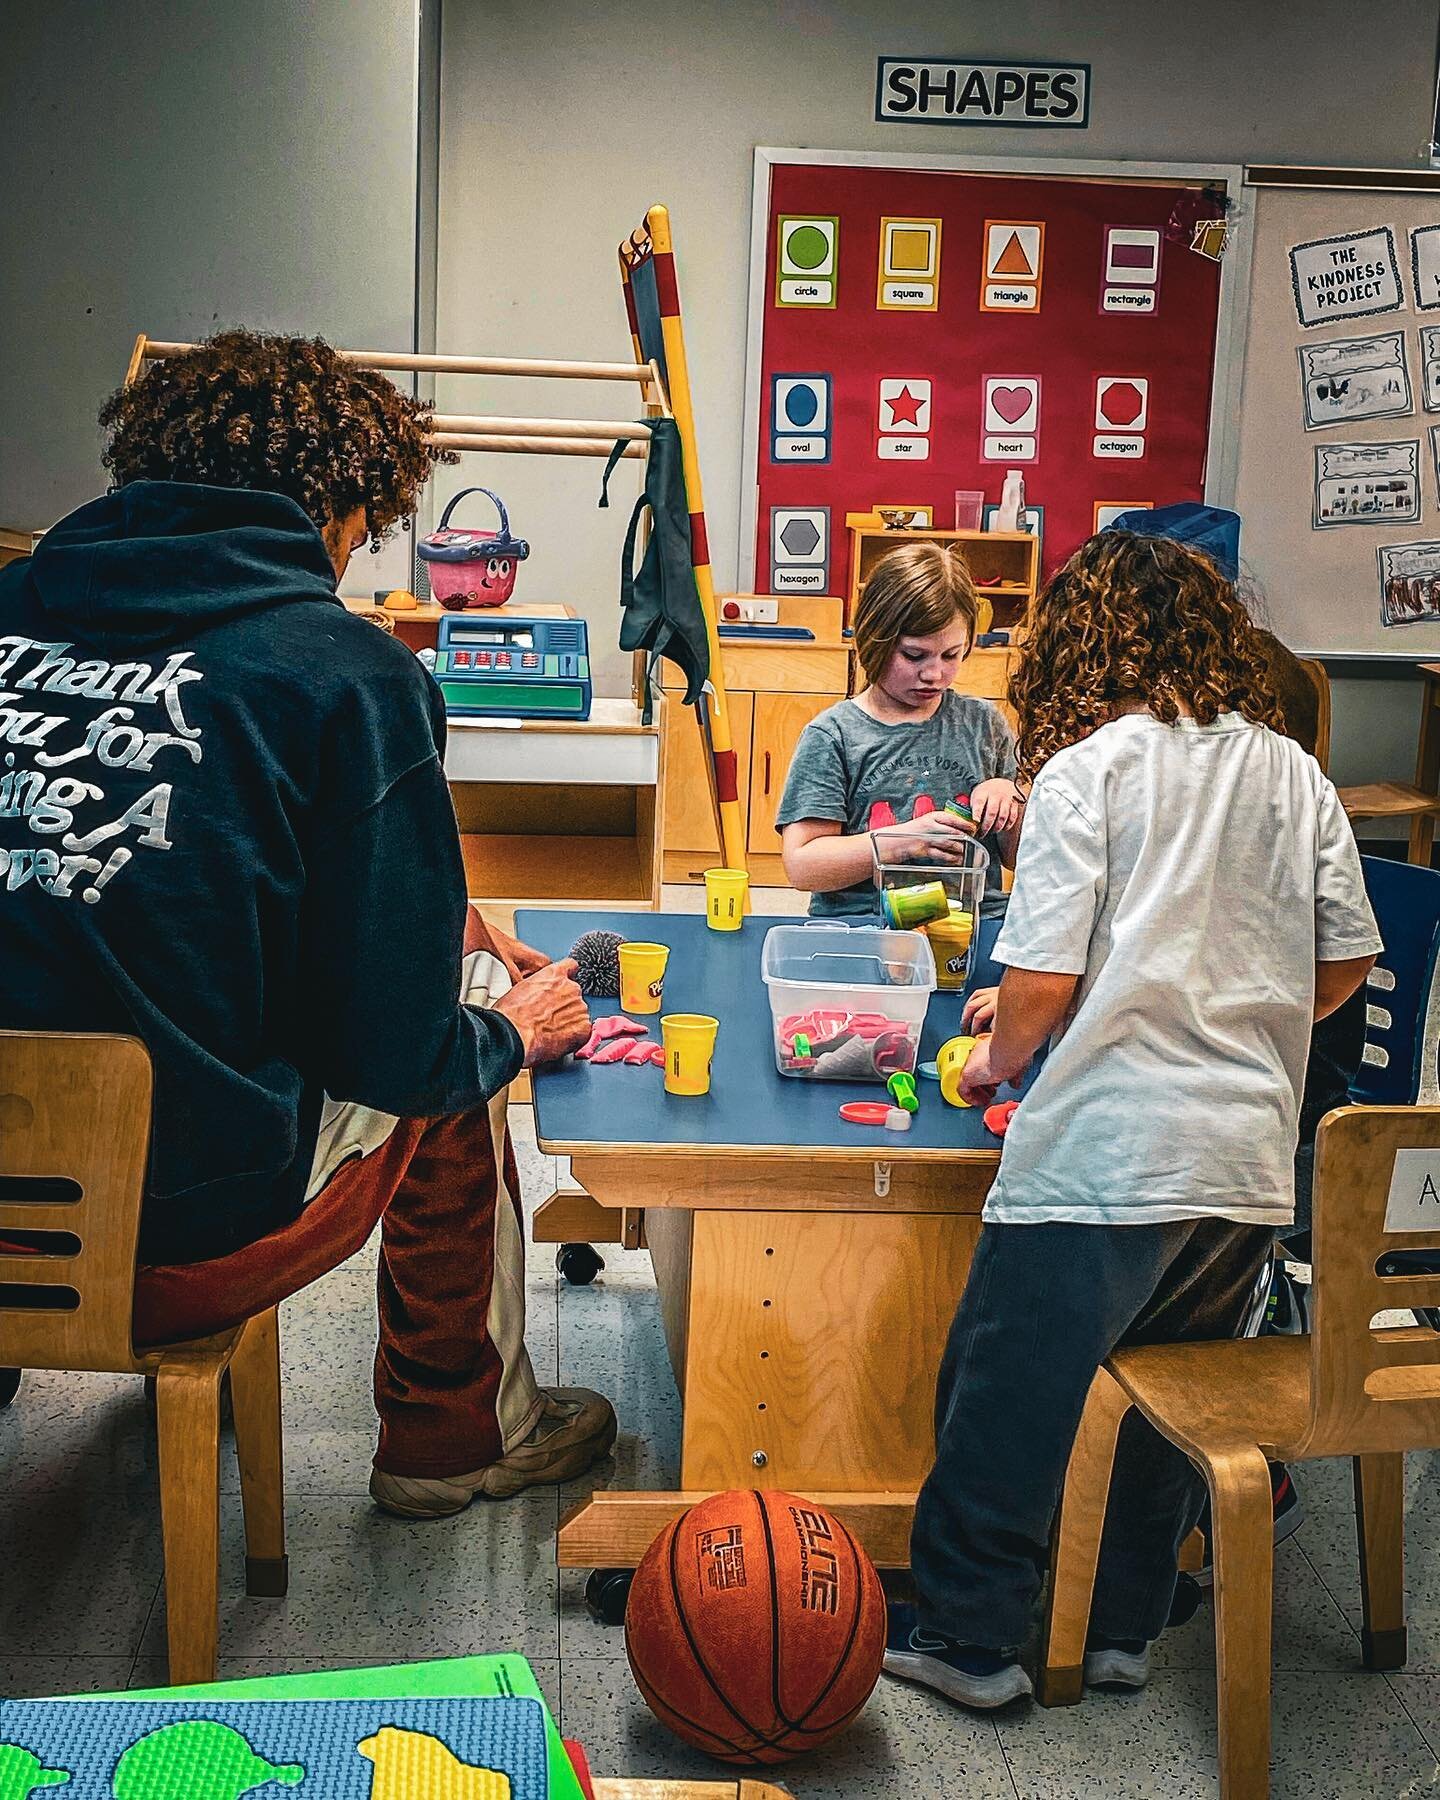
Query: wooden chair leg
x=1075 y=1544
x=255 y=1396
x=1242 y=1539
x=1380 y=1527
x=187 y=1423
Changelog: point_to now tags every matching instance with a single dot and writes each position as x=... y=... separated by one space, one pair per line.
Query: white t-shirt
x=1192 y=876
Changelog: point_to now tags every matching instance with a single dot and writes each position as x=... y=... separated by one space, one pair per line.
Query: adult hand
x=979 y=1013
x=933 y=837
x=526 y=960
x=978 y=1081
x=997 y=805
x=549 y=1012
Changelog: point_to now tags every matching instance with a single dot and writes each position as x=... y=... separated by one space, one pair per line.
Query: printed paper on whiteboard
x=1346 y=277
x=1430 y=367
x=1367 y=484
x=1425 y=266
x=1409 y=584
x=1355 y=378
x=1414 y=1199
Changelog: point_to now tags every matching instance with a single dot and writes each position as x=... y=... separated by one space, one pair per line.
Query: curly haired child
x=872 y=776
x=1188 y=900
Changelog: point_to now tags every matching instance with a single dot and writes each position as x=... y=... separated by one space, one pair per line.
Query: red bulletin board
x=1096 y=239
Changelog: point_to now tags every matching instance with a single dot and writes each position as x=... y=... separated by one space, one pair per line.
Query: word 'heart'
x=1012 y=403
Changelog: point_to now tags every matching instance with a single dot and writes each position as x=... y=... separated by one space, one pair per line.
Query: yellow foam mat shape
x=412 y=1765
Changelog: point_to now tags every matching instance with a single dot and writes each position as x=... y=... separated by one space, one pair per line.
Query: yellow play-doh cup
x=950 y=940
x=726 y=892
x=950 y=1064
x=689 y=1042
x=642 y=977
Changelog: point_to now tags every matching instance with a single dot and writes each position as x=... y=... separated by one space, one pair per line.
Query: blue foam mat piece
x=124 y=1750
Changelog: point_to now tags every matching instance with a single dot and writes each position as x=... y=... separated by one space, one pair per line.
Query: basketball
x=755 y=1627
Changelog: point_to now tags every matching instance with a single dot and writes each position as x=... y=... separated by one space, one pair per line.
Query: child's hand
x=979 y=1013
x=997 y=805
x=935 y=836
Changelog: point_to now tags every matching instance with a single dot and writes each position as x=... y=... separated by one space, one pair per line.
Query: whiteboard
x=1319 y=585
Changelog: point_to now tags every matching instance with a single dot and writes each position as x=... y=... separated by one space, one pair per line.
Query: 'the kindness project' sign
x=1346 y=277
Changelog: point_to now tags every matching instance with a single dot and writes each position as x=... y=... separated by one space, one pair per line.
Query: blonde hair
x=914 y=591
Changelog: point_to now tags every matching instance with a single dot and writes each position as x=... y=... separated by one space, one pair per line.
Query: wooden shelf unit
x=1005 y=564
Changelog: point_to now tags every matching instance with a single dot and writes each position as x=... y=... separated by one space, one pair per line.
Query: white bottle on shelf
x=1012 y=501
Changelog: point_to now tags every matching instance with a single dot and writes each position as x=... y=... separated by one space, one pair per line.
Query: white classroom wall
x=561 y=120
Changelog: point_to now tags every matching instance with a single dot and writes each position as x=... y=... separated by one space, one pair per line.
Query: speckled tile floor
x=82 y=1607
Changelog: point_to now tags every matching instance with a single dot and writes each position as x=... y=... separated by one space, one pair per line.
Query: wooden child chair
x=1349 y=1389
x=74 y=1138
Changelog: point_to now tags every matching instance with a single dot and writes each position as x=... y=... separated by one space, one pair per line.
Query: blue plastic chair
x=1403 y=994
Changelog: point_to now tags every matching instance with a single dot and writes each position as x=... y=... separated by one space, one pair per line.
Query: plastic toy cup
x=726 y=893
x=642 y=977
x=689 y=1042
x=954 y=1054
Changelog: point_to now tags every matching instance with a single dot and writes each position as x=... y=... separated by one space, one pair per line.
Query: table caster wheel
x=9 y=1386
x=606 y=1592
x=579 y=1263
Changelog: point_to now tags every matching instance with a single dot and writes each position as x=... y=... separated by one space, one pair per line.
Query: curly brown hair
x=1135 y=619
x=289 y=415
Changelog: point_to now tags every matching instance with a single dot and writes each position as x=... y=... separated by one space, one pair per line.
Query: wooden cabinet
x=779 y=720
x=1005 y=565
x=775 y=687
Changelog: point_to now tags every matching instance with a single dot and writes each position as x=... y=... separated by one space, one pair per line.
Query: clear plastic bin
x=951 y=934
x=847 y=1002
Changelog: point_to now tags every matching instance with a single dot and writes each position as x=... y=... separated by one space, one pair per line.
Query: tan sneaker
x=575 y=1429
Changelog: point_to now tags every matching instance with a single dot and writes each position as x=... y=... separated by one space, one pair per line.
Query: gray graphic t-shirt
x=851 y=768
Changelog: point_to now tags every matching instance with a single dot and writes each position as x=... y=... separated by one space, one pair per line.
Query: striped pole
x=652 y=244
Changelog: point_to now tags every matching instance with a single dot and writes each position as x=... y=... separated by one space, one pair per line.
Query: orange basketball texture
x=755 y=1627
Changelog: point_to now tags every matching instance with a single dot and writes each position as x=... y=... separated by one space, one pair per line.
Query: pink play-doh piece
x=603 y=1030
x=641 y=1052
x=616 y=1050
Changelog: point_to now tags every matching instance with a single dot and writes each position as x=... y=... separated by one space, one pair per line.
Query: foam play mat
x=491 y=1749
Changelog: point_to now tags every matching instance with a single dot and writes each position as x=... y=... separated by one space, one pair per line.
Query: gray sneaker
x=575 y=1429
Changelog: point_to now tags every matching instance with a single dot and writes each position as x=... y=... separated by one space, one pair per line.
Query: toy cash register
x=492 y=668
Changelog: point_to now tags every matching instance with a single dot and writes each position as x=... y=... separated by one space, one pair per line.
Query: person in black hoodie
x=225 y=830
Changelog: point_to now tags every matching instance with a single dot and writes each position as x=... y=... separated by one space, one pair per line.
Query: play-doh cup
x=950 y=939
x=726 y=891
x=642 y=977
x=954 y=1054
x=689 y=1042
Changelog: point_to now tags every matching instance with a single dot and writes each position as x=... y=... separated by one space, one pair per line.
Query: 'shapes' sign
x=950 y=91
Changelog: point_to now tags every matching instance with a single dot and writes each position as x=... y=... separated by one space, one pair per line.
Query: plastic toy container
x=847 y=1002
x=951 y=933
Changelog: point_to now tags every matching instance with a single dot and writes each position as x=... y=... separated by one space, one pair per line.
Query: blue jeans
x=1043 y=1308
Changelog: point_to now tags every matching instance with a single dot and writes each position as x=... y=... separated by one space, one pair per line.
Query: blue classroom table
x=808 y=1269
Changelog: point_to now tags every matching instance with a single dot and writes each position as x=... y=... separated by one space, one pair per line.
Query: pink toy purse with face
x=469 y=568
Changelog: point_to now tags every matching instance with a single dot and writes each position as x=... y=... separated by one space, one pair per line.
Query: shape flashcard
x=1130 y=280
x=807 y=255
x=800 y=418
x=1122 y=413
x=1014 y=266
x=799 y=549
x=909 y=274
x=1010 y=418
x=904 y=420
x=1108 y=511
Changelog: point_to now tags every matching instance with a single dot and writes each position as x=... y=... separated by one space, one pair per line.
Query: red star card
x=904 y=404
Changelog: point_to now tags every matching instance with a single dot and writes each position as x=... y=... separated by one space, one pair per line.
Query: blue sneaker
x=965 y=1672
